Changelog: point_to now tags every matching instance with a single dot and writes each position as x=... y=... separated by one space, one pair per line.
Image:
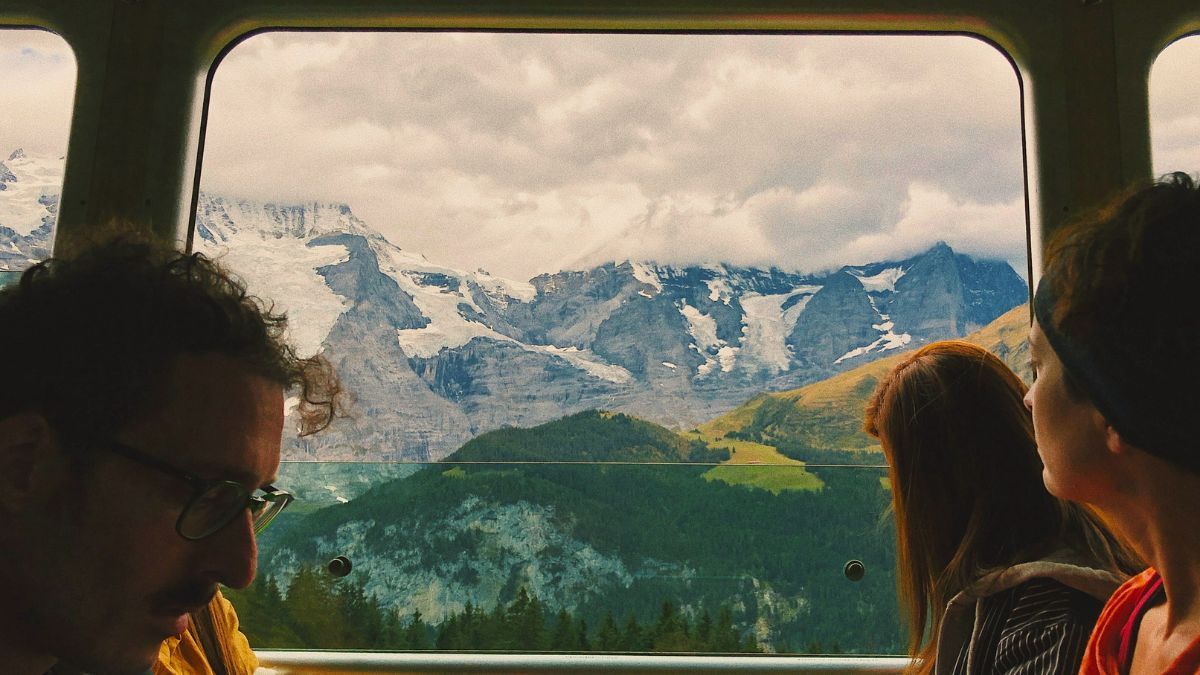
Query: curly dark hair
x=1114 y=303
x=87 y=336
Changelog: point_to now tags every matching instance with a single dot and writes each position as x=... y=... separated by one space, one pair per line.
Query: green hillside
x=588 y=436
x=822 y=422
x=604 y=540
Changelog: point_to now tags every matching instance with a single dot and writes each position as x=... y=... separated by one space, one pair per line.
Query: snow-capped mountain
x=435 y=355
x=29 y=189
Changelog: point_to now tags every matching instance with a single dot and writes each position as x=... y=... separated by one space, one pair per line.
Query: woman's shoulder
x=1043 y=601
x=1067 y=569
x=1040 y=620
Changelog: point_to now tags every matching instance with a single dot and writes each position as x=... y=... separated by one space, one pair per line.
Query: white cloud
x=37 y=89
x=1174 y=112
x=521 y=153
x=992 y=230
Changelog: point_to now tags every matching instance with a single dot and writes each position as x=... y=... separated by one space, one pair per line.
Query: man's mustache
x=185 y=596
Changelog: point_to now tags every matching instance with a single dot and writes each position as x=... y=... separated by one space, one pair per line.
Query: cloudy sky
x=530 y=153
x=37 y=88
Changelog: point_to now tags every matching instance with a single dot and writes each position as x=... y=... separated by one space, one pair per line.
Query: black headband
x=1114 y=374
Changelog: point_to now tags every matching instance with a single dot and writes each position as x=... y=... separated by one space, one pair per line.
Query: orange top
x=183 y=654
x=1110 y=649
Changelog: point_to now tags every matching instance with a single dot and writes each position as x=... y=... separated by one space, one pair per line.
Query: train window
x=1174 y=118
x=610 y=306
x=37 y=84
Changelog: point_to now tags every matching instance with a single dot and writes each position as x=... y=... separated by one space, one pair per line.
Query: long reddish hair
x=967 y=482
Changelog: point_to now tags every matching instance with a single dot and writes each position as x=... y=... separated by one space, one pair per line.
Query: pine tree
x=449 y=635
x=725 y=639
x=704 y=632
x=393 y=632
x=563 y=638
x=529 y=622
x=633 y=639
x=671 y=631
x=609 y=637
x=310 y=598
x=581 y=637
x=416 y=634
x=361 y=620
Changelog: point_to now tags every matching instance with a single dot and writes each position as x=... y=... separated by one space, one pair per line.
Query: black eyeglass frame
x=200 y=486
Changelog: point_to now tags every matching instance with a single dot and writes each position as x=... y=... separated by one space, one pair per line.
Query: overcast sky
x=37 y=88
x=530 y=153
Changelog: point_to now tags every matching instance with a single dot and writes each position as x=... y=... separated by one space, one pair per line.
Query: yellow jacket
x=184 y=655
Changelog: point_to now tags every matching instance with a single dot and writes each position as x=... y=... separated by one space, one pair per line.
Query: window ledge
x=286 y=662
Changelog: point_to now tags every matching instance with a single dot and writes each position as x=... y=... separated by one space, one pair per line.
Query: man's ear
x=27 y=447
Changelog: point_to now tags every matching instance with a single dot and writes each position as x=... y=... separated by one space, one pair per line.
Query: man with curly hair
x=140 y=426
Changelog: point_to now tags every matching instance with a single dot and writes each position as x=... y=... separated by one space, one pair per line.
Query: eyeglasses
x=214 y=503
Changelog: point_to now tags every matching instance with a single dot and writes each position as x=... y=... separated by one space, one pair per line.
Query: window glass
x=610 y=307
x=37 y=84
x=1174 y=116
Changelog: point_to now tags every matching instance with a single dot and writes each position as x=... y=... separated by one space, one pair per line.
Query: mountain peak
x=17 y=154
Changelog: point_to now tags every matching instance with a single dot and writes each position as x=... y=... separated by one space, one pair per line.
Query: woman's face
x=1071 y=434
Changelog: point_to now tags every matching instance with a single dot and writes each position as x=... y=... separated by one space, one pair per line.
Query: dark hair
x=1113 y=305
x=87 y=337
x=966 y=481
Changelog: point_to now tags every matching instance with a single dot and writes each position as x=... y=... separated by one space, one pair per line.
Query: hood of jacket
x=962 y=620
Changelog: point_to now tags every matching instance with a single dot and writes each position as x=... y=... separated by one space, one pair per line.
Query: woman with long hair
x=995 y=574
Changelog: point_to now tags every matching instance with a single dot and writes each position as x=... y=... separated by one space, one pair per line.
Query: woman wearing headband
x=1115 y=406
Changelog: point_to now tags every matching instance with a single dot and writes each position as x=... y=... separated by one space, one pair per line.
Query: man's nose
x=231 y=553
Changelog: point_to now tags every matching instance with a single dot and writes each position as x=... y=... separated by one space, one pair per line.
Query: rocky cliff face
x=839 y=316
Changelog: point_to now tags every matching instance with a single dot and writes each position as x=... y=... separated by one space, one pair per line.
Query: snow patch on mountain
x=219 y=218
x=884 y=281
x=888 y=339
x=645 y=274
x=281 y=268
x=719 y=290
x=502 y=290
x=727 y=357
x=585 y=360
x=449 y=329
x=702 y=328
x=29 y=191
x=766 y=326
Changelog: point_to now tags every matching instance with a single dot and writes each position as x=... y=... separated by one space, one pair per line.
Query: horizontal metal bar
x=353 y=663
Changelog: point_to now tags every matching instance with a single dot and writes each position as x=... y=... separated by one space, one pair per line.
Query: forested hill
x=612 y=539
x=588 y=436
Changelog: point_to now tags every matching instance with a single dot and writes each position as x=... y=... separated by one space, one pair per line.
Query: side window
x=37 y=85
x=610 y=307
x=1174 y=116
